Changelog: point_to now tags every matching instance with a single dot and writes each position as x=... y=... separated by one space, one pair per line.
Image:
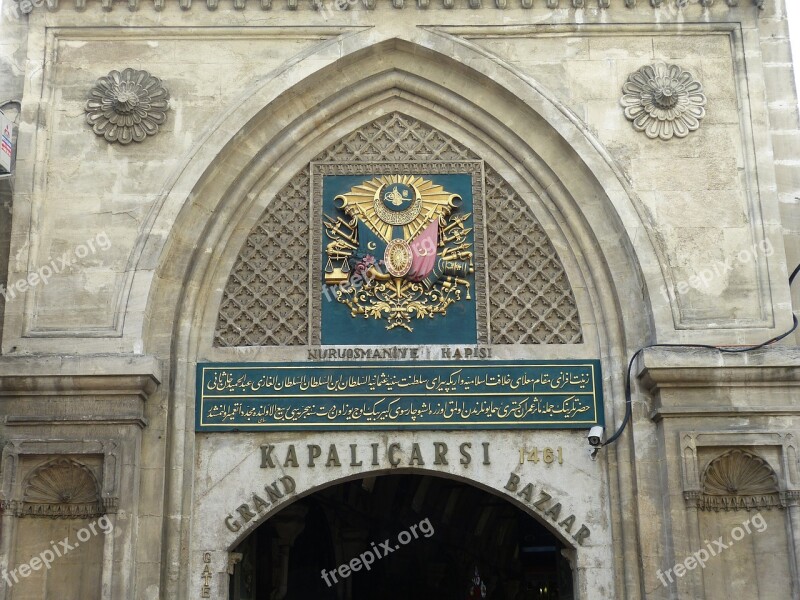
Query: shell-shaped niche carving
x=62 y=487
x=738 y=479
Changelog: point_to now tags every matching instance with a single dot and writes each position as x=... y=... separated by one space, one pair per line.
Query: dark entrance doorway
x=401 y=537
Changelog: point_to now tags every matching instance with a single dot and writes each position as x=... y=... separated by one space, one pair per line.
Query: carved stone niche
x=738 y=479
x=739 y=471
x=68 y=480
x=62 y=487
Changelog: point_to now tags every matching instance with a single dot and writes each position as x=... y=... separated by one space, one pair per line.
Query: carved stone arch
x=738 y=479
x=62 y=488
x=567 y=538
x=266 y=298
x=586 y=208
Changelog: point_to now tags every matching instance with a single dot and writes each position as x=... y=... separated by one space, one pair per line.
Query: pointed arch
x=582 y=203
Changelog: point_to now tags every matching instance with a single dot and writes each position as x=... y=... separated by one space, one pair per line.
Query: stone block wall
x=683 y=240
x=713 y=203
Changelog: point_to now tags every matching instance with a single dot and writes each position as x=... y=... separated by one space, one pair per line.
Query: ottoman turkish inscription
x=420 y=395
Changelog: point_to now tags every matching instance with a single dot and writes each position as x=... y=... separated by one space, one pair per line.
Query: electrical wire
x=726 y=349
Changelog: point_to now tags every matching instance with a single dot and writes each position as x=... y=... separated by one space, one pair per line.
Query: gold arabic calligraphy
x=457 y=381
x=388 y=410
x=385 y=397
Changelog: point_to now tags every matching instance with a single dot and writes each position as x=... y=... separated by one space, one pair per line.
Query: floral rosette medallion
x=663 y=101
x=127 y=106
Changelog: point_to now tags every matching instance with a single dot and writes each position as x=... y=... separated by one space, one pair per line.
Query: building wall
x=682 y=241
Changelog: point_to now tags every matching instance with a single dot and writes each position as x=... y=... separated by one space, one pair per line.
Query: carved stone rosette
x=128 y=106
x=663 y=101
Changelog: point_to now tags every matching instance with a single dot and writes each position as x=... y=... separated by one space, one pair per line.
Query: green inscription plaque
x=565 y=394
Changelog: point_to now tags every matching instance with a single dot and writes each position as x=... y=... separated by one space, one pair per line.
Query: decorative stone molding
x=738 y=480
x=159 y=5
x=128 y=106
x=66 y=390
x=791 y=498
x=663 y=101
x=679 y=378
x=745 y=470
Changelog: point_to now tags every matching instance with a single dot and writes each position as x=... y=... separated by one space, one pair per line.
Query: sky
x=793 y=7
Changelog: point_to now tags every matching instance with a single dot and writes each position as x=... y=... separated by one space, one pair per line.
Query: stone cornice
x=131 y=376
x=687 y=367
x=158 y=5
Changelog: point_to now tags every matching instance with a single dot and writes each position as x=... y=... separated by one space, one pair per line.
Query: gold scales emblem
x=399 y=249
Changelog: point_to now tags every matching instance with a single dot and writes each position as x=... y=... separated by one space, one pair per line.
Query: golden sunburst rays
x=364 y=202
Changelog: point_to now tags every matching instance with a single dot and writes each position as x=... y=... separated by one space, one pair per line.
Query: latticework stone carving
x=530 y=299
x=62 y=488
x=265 y=302
x=396 y=138
x=738 y=480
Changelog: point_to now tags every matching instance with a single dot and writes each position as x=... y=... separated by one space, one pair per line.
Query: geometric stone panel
x=530 y=299
x=396 y=138
x=265 y=302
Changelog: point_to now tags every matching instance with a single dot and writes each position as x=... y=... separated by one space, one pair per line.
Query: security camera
x=595 y=436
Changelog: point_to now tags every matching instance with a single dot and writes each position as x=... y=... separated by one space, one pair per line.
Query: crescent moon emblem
x=371 y=245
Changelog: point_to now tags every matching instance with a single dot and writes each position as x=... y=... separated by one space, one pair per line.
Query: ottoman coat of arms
x=399 y=248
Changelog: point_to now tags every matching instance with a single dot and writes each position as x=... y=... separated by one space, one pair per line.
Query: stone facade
x=639 y=183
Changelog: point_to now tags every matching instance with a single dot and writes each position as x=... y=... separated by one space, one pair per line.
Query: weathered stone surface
x=118 y=257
